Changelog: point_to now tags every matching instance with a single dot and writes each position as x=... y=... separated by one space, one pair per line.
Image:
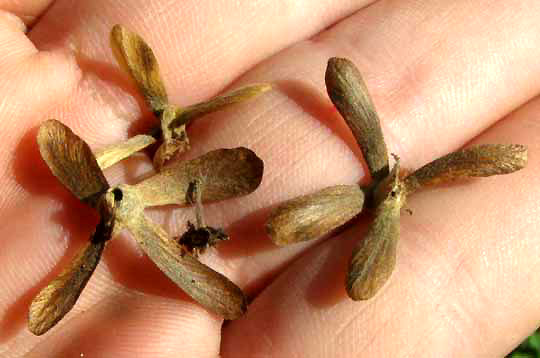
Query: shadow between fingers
x=16 y=315
x=248 y=236
x=116 y=310
x=115 y=76
x=31 y=172
x=136 y=271
x=328 y=286
x=309 y=98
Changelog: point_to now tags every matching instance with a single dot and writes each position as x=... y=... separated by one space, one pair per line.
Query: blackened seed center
x=118 y=195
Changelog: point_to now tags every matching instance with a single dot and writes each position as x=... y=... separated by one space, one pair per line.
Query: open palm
x=442 y=74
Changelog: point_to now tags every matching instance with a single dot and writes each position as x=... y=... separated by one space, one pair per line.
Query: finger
x=33 y=82
x=214 y=44
x=129 y=324
x=21 y=60
x=463 y=255
x=28 y=10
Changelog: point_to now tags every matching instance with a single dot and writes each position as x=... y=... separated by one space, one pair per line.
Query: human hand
x=442 y=74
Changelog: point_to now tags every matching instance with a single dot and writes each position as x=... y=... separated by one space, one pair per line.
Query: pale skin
x=442 y=74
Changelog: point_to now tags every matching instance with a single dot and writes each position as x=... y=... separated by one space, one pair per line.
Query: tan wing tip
x=115 y=39
x=38 y=328
x=237 y=310
x=335 y=63
x=364 y=286
x=361 y=290
x=336 y=68
x=251 y=165
x=117 y=28
x=520 y=156
x=273 y=229
x=263 y=87
x=338 y=76
x=48 y=131
x=286 y=223
x=118 y=31
x=256 y=165
x=47 y=127
x=51 y=123
x=38 y=324
x=282 y=228
x=255 y=90
x=513 y=156
x=231 y=305
x=116 y=42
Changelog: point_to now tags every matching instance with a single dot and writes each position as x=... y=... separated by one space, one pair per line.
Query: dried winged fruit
x=312 y=216
x=139 y=61
x=72 y=162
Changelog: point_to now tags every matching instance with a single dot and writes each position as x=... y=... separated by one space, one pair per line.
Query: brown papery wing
x=374 y=258
x=137 y=59
x=349 y=94
x=71 y=161
x=206 y=286
x=312 y=216
x=57 y=299
x=226 y=173
x=478 y=161
x=243 y=94
x=112 y=154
